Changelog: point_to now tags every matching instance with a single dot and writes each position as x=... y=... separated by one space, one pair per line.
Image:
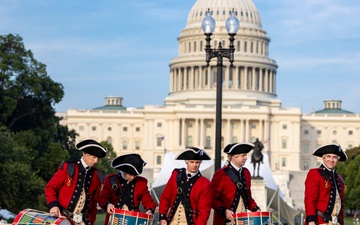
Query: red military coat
x=317 y=196
x=139 y=188
x=64 y=191
x=224 y=191
x=200 y=199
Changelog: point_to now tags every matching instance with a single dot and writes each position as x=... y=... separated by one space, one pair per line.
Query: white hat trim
x=201 y=152
x=127 y=164
x=92 y=145
x=232 y=148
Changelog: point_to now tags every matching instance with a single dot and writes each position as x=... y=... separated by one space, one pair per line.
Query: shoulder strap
x=100 y=175
x=115 y=186
x=323 y=174
x=181 y=192
x=239 y=185
x=71 y=169
x=183 y=197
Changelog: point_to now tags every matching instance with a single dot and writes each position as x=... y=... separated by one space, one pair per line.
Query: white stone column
x=229 y=133
x=191 y=78
x=266 y=80
x=261 y=129
x=177 y=134
x=235 y=84
x=202 y=133
x=183 y=133
x=201 y=80
x=197 y=131
x=185 y=78
x=271 y=82
x=179 y=84
x=247 y=130
x=242 y=131
x=261 y=81
x=246 y=86
x=253 y=79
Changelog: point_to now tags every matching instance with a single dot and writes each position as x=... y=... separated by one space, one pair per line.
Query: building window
x=81 y=128
x=253 y=126
x=334 y=132
x=159 y=125
x=208 y=142
x=283 y=162
x=189 y=141
x=284 y=126
x=109 y=128
x=159 y=141
x=350 y=132
x=137 y=145
x=93 y=128
x=109 y=140
x=284 y=143
x=350 y=146
x=306 y=131
x=124 y=145
x=124 y=128
x=318 y=132
x=190 y=125
x=208 y=125
x=158 y=160
x=235 y=125
x=306 y=165
x=137 y=129
x=234 y=139
x=306 y=148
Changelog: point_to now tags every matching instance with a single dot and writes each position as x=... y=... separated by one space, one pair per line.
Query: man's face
x=90 y=160
x=193 y=165
x=239 y=159
x=128 y=177
x=330 y=160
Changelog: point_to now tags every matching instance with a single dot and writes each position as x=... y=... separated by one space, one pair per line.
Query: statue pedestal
x=259 y=193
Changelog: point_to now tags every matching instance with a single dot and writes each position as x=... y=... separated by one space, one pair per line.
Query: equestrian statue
x=257 y=157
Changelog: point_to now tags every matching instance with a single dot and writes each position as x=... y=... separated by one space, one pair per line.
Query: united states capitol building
x=250 y=110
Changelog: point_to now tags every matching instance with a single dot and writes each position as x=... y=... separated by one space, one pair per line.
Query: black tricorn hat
x=92 y=147
x=130 y=163
x=193 y=153
x=238 y=148
x=331 y=149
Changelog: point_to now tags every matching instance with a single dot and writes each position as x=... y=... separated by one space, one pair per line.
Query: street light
x=208 y=26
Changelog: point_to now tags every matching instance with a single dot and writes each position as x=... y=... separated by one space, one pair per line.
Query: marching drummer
x=126 y=189
x=232 y=186
x=75 y=187
x=187 y=196
x=324 y=188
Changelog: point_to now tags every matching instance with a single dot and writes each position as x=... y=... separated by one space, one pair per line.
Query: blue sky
x=123 y=47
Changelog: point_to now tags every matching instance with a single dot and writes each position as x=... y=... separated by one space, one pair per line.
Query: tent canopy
x=275 y=199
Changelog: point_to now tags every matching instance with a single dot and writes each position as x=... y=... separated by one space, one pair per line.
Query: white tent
x=274 y=197
x=6 y=214
x=206 y=168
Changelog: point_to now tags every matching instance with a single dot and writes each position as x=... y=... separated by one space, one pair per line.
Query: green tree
x=21 y=185
x=351 y=173
x=104 y=164
x=34 y=138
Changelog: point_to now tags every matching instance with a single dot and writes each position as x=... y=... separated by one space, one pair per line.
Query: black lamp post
x=208 y=26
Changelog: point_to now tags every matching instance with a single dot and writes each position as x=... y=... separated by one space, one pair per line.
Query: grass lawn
x=100 y=218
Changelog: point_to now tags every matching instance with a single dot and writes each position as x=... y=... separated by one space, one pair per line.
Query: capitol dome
x=251 y=80
x=245 y=11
